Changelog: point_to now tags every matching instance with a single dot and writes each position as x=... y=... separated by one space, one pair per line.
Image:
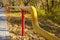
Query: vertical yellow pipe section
x=38 y=29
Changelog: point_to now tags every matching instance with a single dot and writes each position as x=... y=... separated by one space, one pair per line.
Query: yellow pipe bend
x=38 y=29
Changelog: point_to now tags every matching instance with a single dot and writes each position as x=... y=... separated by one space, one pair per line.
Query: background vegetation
x=46 y=8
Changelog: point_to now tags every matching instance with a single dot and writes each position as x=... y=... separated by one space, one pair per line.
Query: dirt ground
x=15 y=30
x=14 y=24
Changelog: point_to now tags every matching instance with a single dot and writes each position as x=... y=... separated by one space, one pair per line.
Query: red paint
x=7 y=9
x=23 y=22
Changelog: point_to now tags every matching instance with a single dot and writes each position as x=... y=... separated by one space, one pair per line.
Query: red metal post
x=23 y=22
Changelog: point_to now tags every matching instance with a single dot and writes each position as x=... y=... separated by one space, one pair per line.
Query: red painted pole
x=23 y=22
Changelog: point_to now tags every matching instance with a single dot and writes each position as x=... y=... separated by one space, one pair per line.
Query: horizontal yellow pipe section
x=17 y=15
